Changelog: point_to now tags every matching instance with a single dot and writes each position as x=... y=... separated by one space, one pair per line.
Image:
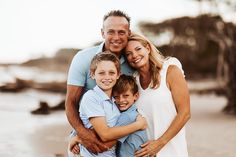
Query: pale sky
x=32 y=28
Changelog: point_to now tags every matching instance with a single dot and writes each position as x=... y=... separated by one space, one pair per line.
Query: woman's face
x=136 y=54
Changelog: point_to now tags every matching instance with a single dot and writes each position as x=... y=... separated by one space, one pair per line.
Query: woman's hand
x=141 y=121
x=150 y=148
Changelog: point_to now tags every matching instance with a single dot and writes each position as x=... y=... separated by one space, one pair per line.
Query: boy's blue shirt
x=96 y=103
x=132 y=142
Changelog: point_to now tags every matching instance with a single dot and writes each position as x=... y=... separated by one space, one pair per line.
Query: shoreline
x=41 y=136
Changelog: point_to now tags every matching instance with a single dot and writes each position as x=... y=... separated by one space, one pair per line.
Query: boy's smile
x=125 y=100
x=106 y=75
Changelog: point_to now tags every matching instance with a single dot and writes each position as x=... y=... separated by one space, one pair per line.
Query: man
x=115 y=32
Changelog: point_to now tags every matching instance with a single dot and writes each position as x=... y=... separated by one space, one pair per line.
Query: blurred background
x=39 y=38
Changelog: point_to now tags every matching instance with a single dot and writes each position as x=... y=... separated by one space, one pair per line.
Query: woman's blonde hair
x=155 y=57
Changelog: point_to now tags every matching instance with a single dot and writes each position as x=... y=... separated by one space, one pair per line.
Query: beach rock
x=20 y=84
x=60 y=106
x=17 y=86
x=43 y=109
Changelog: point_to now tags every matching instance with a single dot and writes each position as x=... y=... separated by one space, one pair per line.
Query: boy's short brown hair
x=104 y=56
x=125 y=83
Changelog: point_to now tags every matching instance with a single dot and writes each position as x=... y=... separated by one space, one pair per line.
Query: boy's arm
x=106 y=133
x=88 y=139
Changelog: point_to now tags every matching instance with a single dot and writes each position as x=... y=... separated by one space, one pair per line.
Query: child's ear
x=92 y=75
x=136 y=96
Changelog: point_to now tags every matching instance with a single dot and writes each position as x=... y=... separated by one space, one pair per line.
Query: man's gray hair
x=117 y=13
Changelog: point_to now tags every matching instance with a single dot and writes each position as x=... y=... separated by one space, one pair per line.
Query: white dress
x=159 y=109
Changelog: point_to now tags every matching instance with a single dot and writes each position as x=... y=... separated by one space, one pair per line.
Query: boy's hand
x=142 y=122
x=73 y=145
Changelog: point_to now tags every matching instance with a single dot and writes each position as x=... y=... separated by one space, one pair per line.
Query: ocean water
x=23 y=134
x=9 y=73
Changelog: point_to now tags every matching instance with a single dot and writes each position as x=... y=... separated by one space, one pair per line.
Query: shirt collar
x=101 y=94
x=100 y=49
x=133 y=107
x=122 y=59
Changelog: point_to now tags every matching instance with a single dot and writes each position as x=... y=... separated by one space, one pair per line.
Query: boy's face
x=125 y=100
x=105 y=75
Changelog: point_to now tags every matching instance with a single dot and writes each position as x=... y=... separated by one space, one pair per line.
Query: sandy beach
x=210 y=133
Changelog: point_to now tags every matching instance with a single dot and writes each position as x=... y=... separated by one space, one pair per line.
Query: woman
x=164 y=98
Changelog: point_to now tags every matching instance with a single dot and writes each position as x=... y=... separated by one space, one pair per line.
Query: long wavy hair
x=156 y=58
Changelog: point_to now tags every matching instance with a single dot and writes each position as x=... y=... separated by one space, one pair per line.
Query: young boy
x=126 y=93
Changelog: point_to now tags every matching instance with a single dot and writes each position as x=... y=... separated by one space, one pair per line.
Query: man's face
x=115 y=33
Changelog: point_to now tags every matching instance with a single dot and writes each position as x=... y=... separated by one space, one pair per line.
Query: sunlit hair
x=155 y=57
x=104 y=56
x=125 y=83
x=117 y=13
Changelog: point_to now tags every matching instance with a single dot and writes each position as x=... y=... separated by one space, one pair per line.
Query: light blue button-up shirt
x=95 y=103
x=131 y=143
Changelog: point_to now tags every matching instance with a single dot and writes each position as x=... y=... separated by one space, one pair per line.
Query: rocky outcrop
x=20 y=85
x=60 y=62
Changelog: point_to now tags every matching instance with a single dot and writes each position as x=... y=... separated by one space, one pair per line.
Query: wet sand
x=210 y=133
x=25 y=135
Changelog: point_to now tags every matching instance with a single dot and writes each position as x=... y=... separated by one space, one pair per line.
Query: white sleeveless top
x=158 y=108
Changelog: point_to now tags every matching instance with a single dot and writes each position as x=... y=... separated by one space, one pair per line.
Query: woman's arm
x=180 y=94
x=111 y=133
x=179 y=90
